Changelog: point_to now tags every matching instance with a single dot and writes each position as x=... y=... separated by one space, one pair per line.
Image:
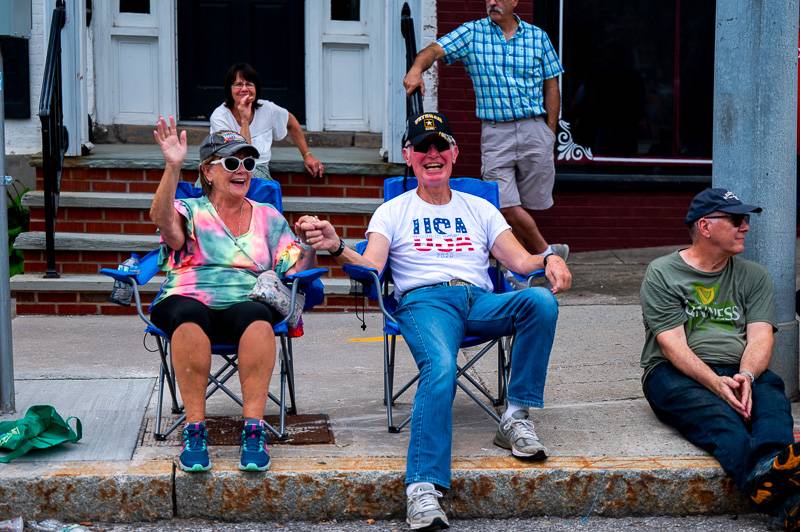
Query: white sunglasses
x=232 y=164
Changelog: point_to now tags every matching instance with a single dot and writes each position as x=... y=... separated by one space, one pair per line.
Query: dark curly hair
x=248 y=73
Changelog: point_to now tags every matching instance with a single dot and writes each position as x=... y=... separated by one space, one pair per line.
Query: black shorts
x=222 y=326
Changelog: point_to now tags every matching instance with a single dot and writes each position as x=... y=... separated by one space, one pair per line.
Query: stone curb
x=326 y=488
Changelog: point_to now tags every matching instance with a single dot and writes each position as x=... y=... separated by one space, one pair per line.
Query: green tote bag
x=41 y=428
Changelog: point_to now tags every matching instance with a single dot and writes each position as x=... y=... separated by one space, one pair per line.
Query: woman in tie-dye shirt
x=213 y=249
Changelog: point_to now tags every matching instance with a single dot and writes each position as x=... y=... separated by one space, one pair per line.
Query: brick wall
x=456 y=97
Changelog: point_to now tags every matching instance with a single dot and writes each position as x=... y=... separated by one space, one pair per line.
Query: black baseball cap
x=224 y=143
x=425 y=125
x=717 y=199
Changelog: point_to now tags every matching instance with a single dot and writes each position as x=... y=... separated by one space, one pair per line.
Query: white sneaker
x=423 y=511
x=562 y=250
x=517 y=433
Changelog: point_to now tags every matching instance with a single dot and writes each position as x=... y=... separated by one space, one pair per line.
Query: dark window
x=134 y=6
x=16 y=78
x=345 y=10
x=641 y=83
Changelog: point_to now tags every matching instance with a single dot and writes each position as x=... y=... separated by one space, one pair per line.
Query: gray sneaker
x=562 y=250
x=516 y=433
x=423 y=511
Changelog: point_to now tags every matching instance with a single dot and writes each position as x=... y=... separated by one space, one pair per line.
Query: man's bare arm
x=427 y=57
x=552 y=102
x=676 y=349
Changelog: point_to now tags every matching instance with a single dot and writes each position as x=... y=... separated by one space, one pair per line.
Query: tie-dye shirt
x=218 y=269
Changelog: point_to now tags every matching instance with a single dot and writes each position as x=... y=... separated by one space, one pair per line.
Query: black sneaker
x=773 y=477
x=789 y=514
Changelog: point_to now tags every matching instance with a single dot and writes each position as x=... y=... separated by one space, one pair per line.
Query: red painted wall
x=456 y=97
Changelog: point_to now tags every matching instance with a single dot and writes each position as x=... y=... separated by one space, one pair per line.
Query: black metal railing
x=414 y=100
x=54 y=134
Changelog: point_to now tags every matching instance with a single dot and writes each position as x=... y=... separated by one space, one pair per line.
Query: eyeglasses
x=438 y=142
x=242 y=85
x=231 y=164
x=736 y=219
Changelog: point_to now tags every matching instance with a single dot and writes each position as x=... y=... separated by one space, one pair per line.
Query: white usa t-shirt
x=431 y=244
x=269 y=123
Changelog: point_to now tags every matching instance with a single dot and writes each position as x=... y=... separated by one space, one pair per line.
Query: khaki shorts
x=518 y=155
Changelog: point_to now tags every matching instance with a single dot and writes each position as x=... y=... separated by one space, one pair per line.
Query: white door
x=134 y=49
x=345 y=73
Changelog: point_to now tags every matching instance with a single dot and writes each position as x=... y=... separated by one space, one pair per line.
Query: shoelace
x=194 y=439
x=423 y=501
x=253 y=438
x=524 y=428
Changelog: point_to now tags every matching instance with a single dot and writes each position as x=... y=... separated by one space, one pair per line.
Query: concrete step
x=113 y=200
x=333 y=488
x=138 y=134
x=83 y=294
x=86 y=253
x=127 y=213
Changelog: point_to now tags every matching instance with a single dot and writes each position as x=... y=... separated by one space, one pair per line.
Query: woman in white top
x=259 y=121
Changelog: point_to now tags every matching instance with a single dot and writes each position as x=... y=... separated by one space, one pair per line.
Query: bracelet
x=544 y=259
x=749 y=375
x=339 y=250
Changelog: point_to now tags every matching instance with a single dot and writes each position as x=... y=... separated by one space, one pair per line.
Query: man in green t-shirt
x=709 y=325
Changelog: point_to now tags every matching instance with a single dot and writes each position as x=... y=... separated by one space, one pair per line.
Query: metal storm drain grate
x=303 y=429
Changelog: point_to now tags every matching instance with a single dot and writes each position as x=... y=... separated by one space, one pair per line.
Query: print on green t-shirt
x=704 y=312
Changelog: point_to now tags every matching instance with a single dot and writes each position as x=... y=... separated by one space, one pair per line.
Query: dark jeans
x=710 y=423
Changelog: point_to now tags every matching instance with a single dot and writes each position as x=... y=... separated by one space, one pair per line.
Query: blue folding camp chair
x=308 y=282
x=377 y=288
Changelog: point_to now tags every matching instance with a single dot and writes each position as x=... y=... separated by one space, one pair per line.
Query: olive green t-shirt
x=714 y=308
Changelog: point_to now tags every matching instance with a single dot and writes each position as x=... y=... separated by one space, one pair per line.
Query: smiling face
x=242 y=87
x=432 y=167
x=227 y=185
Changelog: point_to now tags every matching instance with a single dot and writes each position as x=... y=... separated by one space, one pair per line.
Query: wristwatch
x=340 y=250
x=749 y=375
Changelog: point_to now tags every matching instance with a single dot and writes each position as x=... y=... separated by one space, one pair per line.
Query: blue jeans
x=433 y=321
x=710 y=423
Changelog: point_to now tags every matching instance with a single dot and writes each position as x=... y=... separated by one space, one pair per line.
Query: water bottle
x=122 y=293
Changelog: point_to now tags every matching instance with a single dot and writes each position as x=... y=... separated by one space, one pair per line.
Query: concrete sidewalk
x=609 y=455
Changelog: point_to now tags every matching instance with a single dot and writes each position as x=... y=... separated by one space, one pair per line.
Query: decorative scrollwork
x=567 y=149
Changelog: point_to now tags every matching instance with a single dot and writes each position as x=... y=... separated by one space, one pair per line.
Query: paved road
x=742 y=523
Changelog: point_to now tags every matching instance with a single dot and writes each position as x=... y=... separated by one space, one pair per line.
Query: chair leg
x=292 y=410
x=387 y=380
x=166 y=358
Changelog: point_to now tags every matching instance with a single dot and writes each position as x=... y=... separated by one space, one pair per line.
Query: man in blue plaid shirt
x=514 y=71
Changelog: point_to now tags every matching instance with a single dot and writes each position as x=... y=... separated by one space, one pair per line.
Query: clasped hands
x=737 y=392
x=319 y=234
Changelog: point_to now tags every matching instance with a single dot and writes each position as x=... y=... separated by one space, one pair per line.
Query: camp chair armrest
x=362 y=274
x=305 y=277
x=120 y=275
x=527 y=278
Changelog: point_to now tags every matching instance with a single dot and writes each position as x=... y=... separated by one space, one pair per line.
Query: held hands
x=317 y=233
x=173 y=147
x=558 y=274
x=731 y=391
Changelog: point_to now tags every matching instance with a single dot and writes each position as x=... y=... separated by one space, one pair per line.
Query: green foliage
x=18 y=220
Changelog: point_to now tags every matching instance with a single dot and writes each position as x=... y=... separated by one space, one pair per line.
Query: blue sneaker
x=194 y=456
x=255 y=455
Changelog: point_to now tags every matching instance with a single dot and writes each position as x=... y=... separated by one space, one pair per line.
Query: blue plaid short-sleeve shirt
x=508 y=76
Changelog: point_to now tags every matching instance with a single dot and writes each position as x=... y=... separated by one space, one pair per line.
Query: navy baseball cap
x=224 y=143
x=422 y=126
x=717 y=199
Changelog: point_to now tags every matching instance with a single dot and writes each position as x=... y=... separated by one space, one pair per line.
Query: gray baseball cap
x=224 y=143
